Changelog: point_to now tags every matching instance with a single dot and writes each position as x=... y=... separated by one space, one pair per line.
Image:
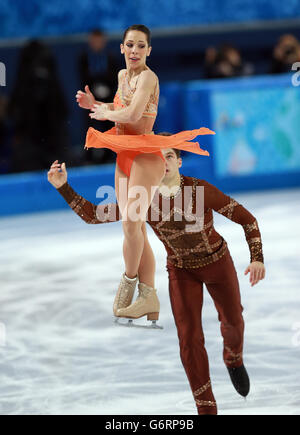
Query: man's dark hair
x=140 y=28
x=176 y=151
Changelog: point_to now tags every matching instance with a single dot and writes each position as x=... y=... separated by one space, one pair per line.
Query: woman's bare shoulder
x=149 y=77
x=148 y=72
x=121 y=73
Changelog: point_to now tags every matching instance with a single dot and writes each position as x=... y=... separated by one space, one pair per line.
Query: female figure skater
x=140 y=162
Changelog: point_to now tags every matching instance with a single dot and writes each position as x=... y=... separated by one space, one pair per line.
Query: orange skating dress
x=128 y=146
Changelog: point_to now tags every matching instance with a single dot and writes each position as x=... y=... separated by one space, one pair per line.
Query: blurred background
x=225 y=65
x=230 y=65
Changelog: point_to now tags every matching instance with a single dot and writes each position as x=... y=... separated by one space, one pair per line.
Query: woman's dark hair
x=140 y=28
x=176 y=151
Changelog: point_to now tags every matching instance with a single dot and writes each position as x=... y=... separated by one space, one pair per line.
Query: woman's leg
x=146 y=270
x=127 y=287
x=121 y=178
x=147 y=171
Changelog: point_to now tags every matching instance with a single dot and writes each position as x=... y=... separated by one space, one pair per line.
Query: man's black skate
x=240 y=380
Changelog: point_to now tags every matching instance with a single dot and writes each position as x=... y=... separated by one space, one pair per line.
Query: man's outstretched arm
x=86 y=210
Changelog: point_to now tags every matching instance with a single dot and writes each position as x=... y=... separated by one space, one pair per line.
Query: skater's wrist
x=62 y=186
x=258 y=258
x=256 y=250
x=66 y=191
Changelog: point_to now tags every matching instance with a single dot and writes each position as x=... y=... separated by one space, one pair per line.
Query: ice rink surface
x=62 y=354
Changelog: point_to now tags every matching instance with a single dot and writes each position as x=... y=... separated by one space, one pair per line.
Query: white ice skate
x=124 y=294
x=147 y=304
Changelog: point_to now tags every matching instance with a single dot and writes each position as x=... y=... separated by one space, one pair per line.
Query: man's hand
x=257 y=272
x=57 y=175
x=86 y=99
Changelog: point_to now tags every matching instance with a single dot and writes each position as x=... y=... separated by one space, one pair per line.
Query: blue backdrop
x=37 y=18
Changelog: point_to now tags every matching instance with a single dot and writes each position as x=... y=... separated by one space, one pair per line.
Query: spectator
x=225 y=62
x=38 y=111
x=285 y=53
x=98 y=70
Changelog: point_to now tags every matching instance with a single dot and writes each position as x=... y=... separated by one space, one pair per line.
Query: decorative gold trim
x=206 y=403
x=235 y=356
x=229 y=208
x=195 y=264
x=202 y=389
x=254 y=240
x=250 y=227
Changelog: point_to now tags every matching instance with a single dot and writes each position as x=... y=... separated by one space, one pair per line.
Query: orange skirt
x=128 y=147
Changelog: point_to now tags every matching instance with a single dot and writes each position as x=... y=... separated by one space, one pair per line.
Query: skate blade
x=130 y=324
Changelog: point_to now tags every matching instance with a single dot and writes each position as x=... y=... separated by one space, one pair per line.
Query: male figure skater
x=194 y=258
